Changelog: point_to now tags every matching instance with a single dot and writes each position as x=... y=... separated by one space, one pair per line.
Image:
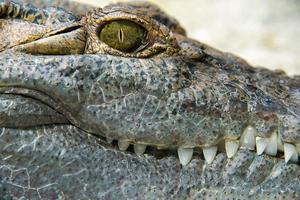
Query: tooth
x=290 y=153
x=123 y=145
x=185 y=155
x=139 y=149
x=279 y=143
x=271 y=148
x=261 y=144
x=231 y=147
x=209 y=153
x=247 y=139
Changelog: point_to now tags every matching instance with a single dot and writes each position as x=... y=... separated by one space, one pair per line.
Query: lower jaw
x=53 y=160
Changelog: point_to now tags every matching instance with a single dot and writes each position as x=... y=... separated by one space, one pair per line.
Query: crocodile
x=119 y=103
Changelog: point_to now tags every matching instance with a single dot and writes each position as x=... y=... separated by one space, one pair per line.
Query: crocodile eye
x=123 y=35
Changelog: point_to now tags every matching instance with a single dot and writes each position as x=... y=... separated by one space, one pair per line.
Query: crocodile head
x=128 y=73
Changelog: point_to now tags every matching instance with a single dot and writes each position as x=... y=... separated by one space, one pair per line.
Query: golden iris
x=123 y=35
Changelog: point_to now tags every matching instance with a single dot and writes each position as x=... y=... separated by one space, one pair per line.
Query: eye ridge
x=123 y=35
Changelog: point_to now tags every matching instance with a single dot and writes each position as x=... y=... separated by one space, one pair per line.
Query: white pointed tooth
x=271 y=148
x=139 y=149
x=209 y=153
x=279 y=143
x=231 y=147
x=123 y=145
x=261 y=144
x=290 y=153
x=248 y=138
x=185 y=155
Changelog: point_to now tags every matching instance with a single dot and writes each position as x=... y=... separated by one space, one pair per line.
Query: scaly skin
x=63 y=91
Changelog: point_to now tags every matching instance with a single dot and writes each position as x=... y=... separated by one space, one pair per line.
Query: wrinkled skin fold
x=63 y=92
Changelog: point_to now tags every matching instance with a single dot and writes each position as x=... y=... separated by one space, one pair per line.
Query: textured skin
x=62 y=162
x=176 y=93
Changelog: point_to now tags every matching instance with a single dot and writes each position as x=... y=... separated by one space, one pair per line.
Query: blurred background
x=264 y=32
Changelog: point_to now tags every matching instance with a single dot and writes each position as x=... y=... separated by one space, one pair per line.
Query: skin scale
x=56 y=111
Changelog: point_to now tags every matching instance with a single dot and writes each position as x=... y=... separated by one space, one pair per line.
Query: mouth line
x=206 y=155
x=38 y=96
x=272 y=146
x=262 y=147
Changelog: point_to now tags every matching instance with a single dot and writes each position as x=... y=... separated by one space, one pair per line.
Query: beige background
x=264 y=32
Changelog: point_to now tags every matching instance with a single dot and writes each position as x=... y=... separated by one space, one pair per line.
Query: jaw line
x=47 y=100
x=39 y=96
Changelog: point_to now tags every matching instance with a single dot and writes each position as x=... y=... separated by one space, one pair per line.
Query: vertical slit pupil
x=121 y=35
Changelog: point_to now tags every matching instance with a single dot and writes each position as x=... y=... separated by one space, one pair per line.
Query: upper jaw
x=100 y=106
x=24 y=112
